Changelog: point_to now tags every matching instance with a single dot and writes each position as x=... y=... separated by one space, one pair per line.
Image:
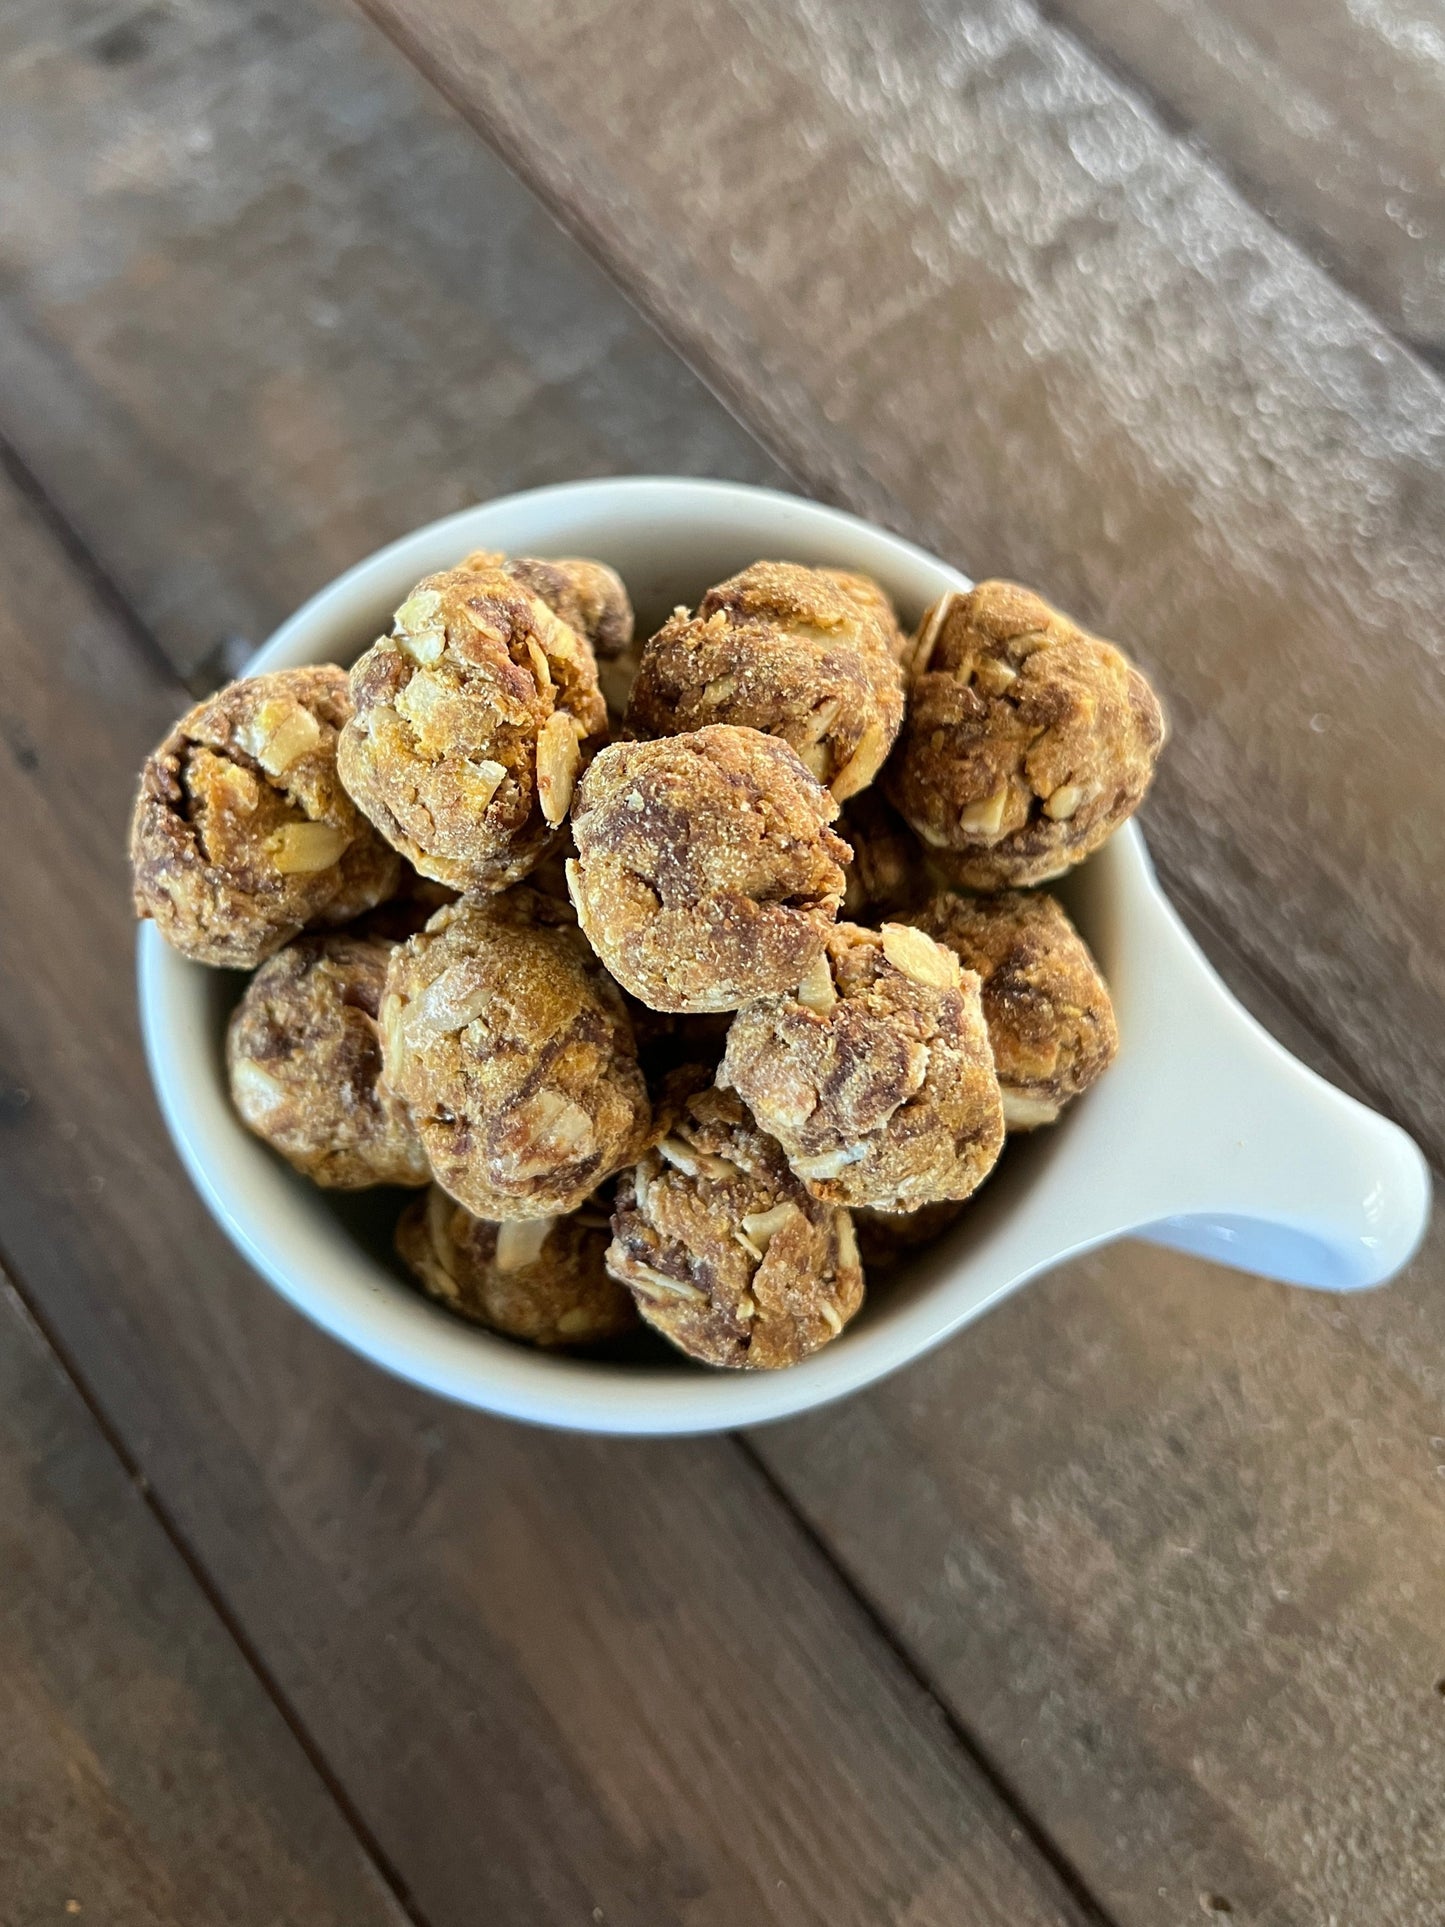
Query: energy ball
x=1047 y=1007
x=725 y=1252
x=1027 y=742
x=889 y=873
x=706 y=873
x=473 y=719
x=542 y=1280
x=511 y=1047
x=242 y=835
x=801 y=654
x=874 y=1073
x=589 y=597
x=304 y=1059
x=886 y=1238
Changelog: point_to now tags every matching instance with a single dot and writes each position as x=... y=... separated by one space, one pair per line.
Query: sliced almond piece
x=1064 y=801
x=719 y=689
x=920 y=653
x=862 y=766
x=418 y=626
x=558 y=760
x=282 y=731
x=817 y=991
x=520 y=1242
x=828 y=1164
x=848 y=1257
x=484 y=779
x=540 y=666
x=763 y=1226
x=985 y=818
x=920 y=958
x=300 y=849
x=257 y=1092
x=993 y=675
x=1022 y=1113
x=643 y=1278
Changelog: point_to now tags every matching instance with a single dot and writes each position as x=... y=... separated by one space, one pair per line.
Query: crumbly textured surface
x=1027 y=743
x=874 y=1073
x=542 y=1280
x=725 y=1252
x=242 y=835
x=1047 y=1007
x=304 y=1059
x=889 y=873
x=806 y=655
x=706 y=873
x=473 y=719
x=589 y=597
x=886 y=1238
x=512 y=1049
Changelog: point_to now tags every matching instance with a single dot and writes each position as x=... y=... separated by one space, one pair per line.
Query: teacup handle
x=1254 y=1160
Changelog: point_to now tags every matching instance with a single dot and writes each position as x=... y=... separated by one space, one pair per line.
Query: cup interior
x=330 y=1253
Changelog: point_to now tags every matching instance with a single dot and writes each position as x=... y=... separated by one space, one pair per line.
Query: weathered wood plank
x=146 y=1780
x=558 y=1679
x=1325 y=112
x=956 y=275
x=265 y=304
x=1169 y=1542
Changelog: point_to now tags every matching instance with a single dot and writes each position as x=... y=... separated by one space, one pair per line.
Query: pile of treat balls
x=577 y=973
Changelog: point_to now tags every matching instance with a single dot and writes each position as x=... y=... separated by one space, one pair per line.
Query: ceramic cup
x=1205 y=1135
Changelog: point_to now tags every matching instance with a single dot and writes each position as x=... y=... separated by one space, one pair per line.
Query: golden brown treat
x=725 y=1252
x=1028 y=742
x=587 y=595
x=801 y=654
x=889 y=872
x=511 y=1046
x=1047 y=1007
x=706 y=872
x=886 y=1238
x=874 y=1073
x=542 y=1280
x=473 y=719
x=242 y=835
x=304 y=1058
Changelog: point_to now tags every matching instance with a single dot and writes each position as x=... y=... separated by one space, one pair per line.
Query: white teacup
x=1205 y=1135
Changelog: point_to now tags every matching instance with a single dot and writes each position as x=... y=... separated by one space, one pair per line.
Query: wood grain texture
x=1169 y=1541
x=559 y=1679
x=146 y=1780
x=265 y=304
x=1327 y=113
x=958 y=277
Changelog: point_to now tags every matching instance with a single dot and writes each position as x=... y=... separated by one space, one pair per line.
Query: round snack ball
x=512 y=1049
x=1027 y=742
x=304 y=1059
x=889 y=872
x=1048 y=1012
x=542 y=1280
x=589 y=597
x=473 y=719
x=874 y=1073
x=725 y=1252
x=706 y=873
x=242 y=834
x=886 y=1238
x=802 y=654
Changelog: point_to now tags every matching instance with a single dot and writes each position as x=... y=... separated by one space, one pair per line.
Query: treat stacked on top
x=660 y=1039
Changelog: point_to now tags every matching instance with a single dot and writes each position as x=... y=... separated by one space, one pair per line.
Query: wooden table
x=1129 y=1606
